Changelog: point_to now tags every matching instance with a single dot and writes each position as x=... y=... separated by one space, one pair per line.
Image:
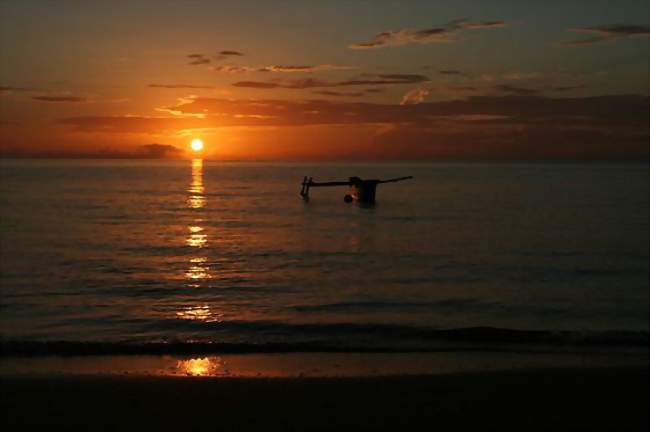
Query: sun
x=197 y=144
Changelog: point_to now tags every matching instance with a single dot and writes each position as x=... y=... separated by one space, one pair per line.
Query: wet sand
x=528 y=399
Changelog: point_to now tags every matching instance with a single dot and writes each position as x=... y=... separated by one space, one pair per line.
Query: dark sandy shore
x=613 y=399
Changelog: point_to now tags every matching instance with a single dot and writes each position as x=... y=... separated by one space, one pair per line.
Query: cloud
x=452 y=72
x=464 y=88
x=231 y=68
x=147 y=151
x=179 y=86
x=365 y=80
x=9 y=89
x=522 y=76
x=521 y=91
x=336 y=93
x=566 y=88
x=222 y=55
x=198 y=59
x=348 y=94
x=61 y=99
x=608 y=110
x=415 y=96
x=235 y=69
x=304 y=68
x=608 y=32
x=445 y=34
x=158 y=151
x=230 y=53
x=478 y=127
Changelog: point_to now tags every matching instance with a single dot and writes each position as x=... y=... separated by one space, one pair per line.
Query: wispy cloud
x=510 y=126
x=221 y=55
x=452 y=72
x=230 y=68
x=348 y=94
x=198 y=59
x=608 y=33
x=202 y=59
x=9 y=89
x=516 y=90
x=304 y=68
x=365 y=80
x=179 y=86
x=445 y=34
x=337 y=93
x=415 y=96
x=61 y=99
x=601 y=111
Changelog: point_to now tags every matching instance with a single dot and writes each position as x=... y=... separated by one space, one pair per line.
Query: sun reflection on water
x=196 y=238
x=198 y=313
x=200 y=366
x=196 y=200
x=198 y=270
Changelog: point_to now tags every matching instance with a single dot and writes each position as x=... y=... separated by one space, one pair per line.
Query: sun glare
x=197 y=145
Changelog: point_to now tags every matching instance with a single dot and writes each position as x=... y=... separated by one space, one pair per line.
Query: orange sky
x=260 y=80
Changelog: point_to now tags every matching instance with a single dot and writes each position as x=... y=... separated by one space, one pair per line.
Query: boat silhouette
x=361 y=191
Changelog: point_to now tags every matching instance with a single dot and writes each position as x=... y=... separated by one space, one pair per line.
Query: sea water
x=202 y=251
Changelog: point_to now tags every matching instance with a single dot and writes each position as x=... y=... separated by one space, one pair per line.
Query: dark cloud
x=566 y=88
x=179 y=86
x=464 y=88
x=625 y=109
x=608 y=32
x=380 y=79
x=336 y=93
x=451 y=72
x=222 y=55
x=148 y=151
x=445 y=34
x=60 y=98
x=521 y=91
x=527 y=127
x=158 y=151
x=198 y=59
x=9 y=89
x=259 y=84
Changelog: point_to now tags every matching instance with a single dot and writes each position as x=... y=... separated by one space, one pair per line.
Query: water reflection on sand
x=311 y=364
x=206 y=366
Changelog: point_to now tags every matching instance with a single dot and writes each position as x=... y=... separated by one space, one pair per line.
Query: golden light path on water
x=198 y=270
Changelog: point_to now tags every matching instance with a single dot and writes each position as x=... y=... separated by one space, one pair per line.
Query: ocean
x=174 y=252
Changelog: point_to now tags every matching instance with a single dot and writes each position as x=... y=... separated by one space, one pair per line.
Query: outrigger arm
x=361 y=190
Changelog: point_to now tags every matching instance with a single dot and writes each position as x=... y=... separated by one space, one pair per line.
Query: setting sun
x=197 y=145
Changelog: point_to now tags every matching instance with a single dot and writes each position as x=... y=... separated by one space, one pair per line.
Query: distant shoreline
x=620 y=161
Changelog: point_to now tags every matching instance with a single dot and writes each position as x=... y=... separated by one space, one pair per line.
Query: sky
x=327 y=80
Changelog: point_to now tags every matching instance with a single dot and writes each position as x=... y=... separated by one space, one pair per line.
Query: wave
x=378 y=338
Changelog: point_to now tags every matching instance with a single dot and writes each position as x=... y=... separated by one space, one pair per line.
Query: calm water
x=204 y=251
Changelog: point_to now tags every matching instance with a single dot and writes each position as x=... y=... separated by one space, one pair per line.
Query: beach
x=528 y=399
